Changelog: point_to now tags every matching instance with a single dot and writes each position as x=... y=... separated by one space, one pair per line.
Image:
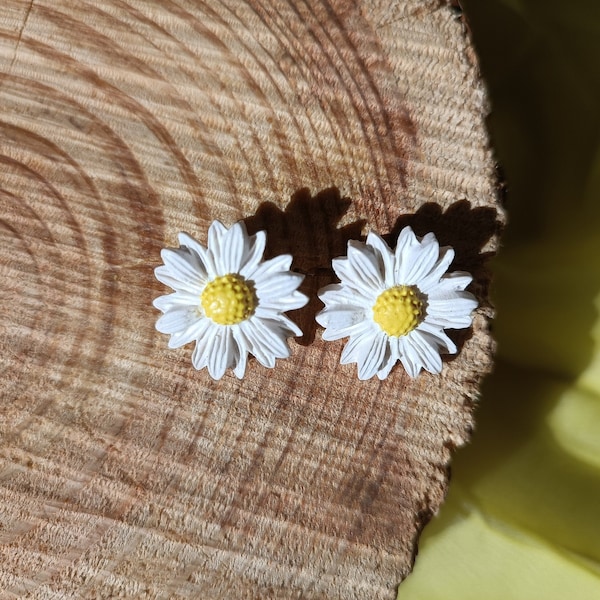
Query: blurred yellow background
x=522 y=519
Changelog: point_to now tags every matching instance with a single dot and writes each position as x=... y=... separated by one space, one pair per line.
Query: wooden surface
x=124 y=472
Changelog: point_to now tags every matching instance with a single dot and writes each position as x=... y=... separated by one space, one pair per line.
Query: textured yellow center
x=398 y=310
x=229 y=299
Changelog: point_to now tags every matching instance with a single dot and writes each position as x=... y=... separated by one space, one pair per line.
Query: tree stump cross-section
x=123 y=471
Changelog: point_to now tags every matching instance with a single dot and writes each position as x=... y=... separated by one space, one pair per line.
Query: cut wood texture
x=125 y=472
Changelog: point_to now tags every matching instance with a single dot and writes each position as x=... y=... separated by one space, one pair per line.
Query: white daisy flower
x=395 y=305
x=228 y=300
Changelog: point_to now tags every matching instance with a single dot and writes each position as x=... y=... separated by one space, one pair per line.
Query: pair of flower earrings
x=393 y=305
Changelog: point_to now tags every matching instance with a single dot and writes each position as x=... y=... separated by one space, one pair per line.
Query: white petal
x=236 y=350
x=422 y=261
x=184 y=263
x=353 y=281
x=205 y=256
x=244 y=348
x=337 y=293
x=436 y=335
x=408 y=356
x=233 y=247
x=372 y=357
x=270 y=267
x=453 y=311
x=340 y=321
x=360 y=270
x=175 y=320
x=242 y=357
x=292 y=301
x=453 y=302
x=220 y=352
x=216 y=231
x=416 y=259
x=406 y=239
x=340 y=317
x=438 y=270
x=429 y=238
x=387 y=257
x=199 y=356
x=363 y=334
x=185 y=239
x=240 y=368
x=165 y=275
x=367 y=267
x=406 y=245
x=176 y=300
x=278 y=286
x=428 y=355
x=289 y=327
x=330 y=334
x=254 y=254
x=272 y=336
x=451 y=282
x=194 y=332
x=285 y=324
x=164 y=303
x=257 y=345
x=388 y=363
x=449 y=322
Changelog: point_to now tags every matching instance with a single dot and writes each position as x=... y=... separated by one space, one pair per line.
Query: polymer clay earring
x=228 y=300
x=395 y=305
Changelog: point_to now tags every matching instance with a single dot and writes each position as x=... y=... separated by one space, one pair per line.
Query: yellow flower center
x=398 y=310
x=229 y=299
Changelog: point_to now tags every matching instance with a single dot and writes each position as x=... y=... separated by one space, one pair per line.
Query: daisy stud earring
x=394 y=305
x=228 y=300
